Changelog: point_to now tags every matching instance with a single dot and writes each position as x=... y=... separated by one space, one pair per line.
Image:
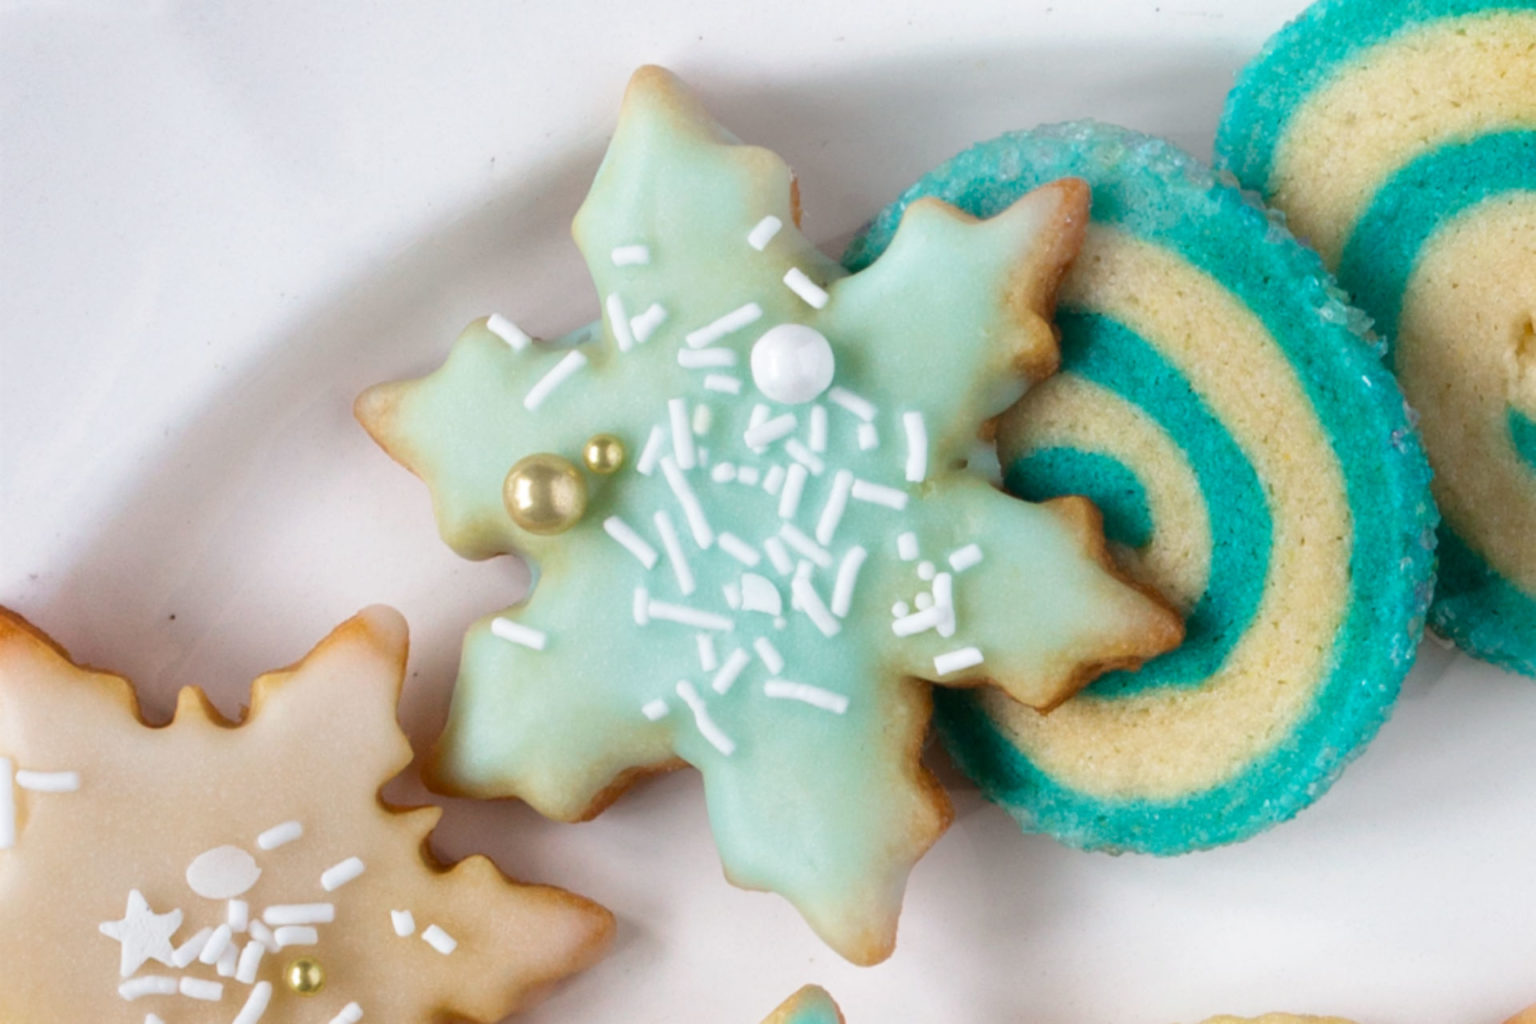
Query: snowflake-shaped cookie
x=206 y=873
x=799 y=534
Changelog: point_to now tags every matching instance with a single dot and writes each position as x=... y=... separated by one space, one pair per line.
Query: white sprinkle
x=299 y=913
x=723 y=382
x=706 y=725
x=906 y=546
x=803 y=571
x=815 y=696
x=214 y=948
x=900 y=609
x=925 y=570
x=262 y=934
x=237 y=914
x=439 y=940
x=794 y=487
x=188 y=951
x=804 y=287
x=508 y=332
x=869 y=437
x=255 y=1004
x=917 y=622
x=703 y=416
x=924 y=600
x=723 y=472
x=879 y=494
x=618 y=323
x=150 y=985
x=778 y=556
x=944 y=603
x=682 y=437
x=295 y=935
x=832 y=511
x=705 y=358
x=764 y=434
x=250 y=962
x=517 y=633
x=48 y=782
x=734 y=664
x=642 y=606
x=954 y=661
x=739 y=549
x=683 y=615
x=693 y=512
x=818 y=429
x=763 y=231
x=674 y=549
x=228 y=960
x=847 y=578
x=636 y=545
x=917 y=446
x=747 y=475
x=7 y=804
x=655 y=710
x=773 y=480
x=758 y=594
x=807 y=547
x=631 y=255
x=197 y=988
x=404 y=921
x=572 y=362
x=965 y=558
x=814 y=607
x=651 y=452
x=863 y=408
x=732 y=594
x=803 y=455
x=772 y=659
x=758 y=417
x=643 y=325
x=350 y=1014
x=708 y=659
x=152 y=1018
x=335 y=877
x=735 y=320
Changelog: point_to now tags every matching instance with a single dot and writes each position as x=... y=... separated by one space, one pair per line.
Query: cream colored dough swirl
x=1476 y=282
x=1163 y=744
x=1073 y=412
x=1453 y=79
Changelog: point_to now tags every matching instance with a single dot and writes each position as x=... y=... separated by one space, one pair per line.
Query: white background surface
x=219 y=222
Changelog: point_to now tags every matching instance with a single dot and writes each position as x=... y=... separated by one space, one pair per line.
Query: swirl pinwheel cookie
x=209 y=872
x=1253 y=460
x=754 y=532
x=1400 y=141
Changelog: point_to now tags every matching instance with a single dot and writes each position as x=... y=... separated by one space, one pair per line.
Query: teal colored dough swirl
x=1446 y=167
x=1254 y=462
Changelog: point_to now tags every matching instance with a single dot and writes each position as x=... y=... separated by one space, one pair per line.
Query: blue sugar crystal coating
x=1475 y=606
x=1152 y=190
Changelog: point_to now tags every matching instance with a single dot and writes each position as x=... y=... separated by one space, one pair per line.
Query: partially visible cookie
x=756 y=529
x=1277 y=1018
x=1400 y=141
x=209 y=871
x=1254 y=462
x=810 y=1005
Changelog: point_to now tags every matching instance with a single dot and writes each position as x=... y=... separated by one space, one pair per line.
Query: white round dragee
x=792 y=363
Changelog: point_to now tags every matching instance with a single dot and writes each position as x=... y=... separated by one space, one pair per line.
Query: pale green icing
x=811 y=1005
x=827 y=809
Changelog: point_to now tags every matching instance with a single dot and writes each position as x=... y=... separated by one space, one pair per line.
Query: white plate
x=219 y=225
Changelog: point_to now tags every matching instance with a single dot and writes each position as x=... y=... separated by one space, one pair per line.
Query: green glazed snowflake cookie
x=756 y=531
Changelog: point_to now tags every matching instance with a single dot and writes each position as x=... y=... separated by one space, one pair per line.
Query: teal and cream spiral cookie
x=1399 y=138
x=1253 y=461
